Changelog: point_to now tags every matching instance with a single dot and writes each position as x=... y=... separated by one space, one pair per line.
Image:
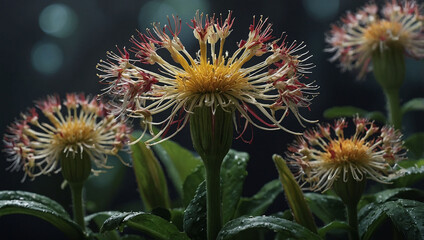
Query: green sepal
x=211 y=133
x=389 y=66
x=350 y=191
x=76 y=167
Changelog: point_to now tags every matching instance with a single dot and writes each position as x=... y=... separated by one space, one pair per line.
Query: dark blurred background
x=53 y=47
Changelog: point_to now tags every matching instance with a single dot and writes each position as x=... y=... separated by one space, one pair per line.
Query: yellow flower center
x=383 y=30
x=346 y=151
x=74 y=133
x=210 y=78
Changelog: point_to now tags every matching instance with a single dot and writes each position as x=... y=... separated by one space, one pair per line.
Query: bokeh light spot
x=323 y=9
x=58 y=20
x=46 y=58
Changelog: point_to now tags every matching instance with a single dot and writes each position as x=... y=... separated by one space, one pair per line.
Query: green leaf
x=289 y=229
x=410 y=172
x=350 y=111
x=407 y=216
x=178 y=161
x=233 y=174
x=97 y=219
x=370 y=217
x=151 y=225
x=191 y=184
x=150 y=177
x=392 y=194
x=415 y=145
x=195 y=215
x=334 y=225
x=33 y=197
x=404 y=193
x=18 y=202
x=294 y=195
x=177 y=218
x=416 y=104
x=327 y=208
x=259 y=203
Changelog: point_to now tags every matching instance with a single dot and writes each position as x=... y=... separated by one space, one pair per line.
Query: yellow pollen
x=74 y=132
x=346 y=151
x=383 y=30
x=210 y=78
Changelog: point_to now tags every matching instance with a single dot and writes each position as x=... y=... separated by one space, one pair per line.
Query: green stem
x=213 y=198
x=352 y=215
x=393 y=107
x=77 y=203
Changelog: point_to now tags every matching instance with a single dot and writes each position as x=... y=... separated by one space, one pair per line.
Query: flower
x=217 y=80
x=354 y=40
x=323 y=155
x=36 y=146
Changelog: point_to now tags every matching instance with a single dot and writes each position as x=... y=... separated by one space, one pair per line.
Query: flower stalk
x=352 y=215
x=350 y=192
x=212 y=134
x=393 y=107
x=389 y=71
x=78 y=203
x=76 y=169
x=213 y=199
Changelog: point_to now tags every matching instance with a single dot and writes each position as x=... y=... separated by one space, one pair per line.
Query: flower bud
x=211 y=132
x=75 y=167
x=389 y=66
x=349 y=190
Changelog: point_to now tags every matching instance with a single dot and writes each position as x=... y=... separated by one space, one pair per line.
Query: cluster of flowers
x=252 y=92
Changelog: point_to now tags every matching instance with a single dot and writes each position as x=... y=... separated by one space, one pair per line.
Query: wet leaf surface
x=286 y=228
